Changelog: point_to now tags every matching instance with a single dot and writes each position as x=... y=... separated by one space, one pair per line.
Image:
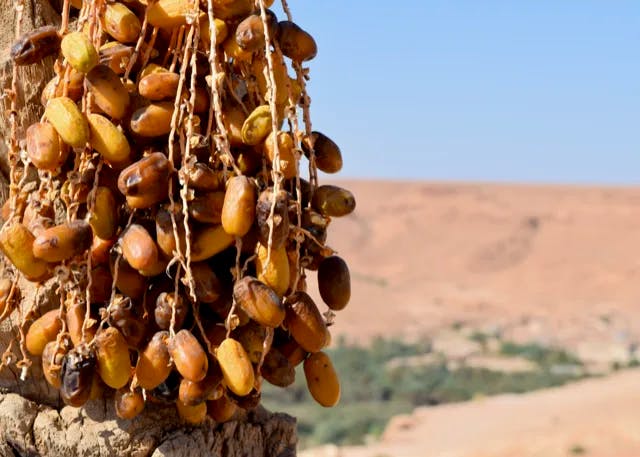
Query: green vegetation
x=376 y=387
x=481 y=338
x=577 y=450
x=542 y=355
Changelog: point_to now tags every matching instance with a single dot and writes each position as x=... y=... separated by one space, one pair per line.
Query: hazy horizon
x=341 y=176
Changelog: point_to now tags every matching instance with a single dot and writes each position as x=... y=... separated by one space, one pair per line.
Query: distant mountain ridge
x=426 y=255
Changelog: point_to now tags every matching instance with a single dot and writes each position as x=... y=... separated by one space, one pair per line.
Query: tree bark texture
x=33 y=420
x=30 y=429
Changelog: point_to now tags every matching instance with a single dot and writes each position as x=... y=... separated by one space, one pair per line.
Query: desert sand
x=597 y=417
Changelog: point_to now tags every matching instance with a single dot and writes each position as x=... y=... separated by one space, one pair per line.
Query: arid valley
x=468 y=267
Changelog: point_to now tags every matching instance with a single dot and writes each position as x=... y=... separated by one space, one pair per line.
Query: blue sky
x=520 y=90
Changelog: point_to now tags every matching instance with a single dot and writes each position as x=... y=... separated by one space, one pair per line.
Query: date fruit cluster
x=171 y=208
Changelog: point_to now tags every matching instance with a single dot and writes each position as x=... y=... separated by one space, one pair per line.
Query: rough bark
x=30 y=429
x=32 y=80
x=33 y=421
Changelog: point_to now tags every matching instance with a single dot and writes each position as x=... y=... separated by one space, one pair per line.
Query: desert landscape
x=486 y=319
x=555 y=266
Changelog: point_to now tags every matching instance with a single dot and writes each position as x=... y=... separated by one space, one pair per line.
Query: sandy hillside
x=546 y=263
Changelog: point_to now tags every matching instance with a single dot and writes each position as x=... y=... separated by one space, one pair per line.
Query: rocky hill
x=550 y=264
